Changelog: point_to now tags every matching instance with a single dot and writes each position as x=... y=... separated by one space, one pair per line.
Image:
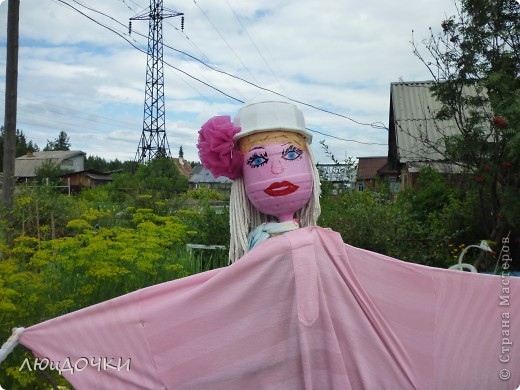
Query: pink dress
x=300 y=311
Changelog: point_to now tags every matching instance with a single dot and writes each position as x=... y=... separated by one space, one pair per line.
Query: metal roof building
x=199 y=174
x=27 y=165
x=416 y=137
x=415 y=134
x=200 y=177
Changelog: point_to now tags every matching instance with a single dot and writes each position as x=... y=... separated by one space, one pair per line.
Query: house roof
x=440 y=166
x=183 y=166
x=199 y=174
x=196 y=169
x=52 y=154
x=91 y=173
x=414 y=108
x=26 y=165
x=99 y=177
x=368 y=167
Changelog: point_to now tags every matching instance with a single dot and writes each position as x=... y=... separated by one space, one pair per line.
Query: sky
x=80 y=71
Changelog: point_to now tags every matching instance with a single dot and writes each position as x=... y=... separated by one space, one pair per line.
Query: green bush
x=426 y=225
x=40 y=280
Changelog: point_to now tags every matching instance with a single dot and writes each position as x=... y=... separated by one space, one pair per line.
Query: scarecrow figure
x=300 y=309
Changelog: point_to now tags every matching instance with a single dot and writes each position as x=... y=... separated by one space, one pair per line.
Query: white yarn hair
x=244 y=217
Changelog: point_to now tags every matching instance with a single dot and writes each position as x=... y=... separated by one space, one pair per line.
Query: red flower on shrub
x=447 y=24
x=507 y=165
x=499 y=122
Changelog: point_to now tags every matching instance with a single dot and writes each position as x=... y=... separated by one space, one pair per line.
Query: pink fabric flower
x=217 y=150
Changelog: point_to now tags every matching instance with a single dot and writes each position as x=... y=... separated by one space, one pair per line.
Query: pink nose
x=277 y=167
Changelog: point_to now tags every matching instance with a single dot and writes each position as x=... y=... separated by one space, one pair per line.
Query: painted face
x=277 y=173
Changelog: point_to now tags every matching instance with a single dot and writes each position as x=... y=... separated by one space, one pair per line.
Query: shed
x=26 y=166
x=88 y=178
x=368 y=171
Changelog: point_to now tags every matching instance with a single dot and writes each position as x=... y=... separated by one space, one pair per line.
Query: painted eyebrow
x=255 y=148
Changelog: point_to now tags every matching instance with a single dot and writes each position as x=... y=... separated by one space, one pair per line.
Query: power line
x=191 y=43
x=345 y=139
x=124 y=36
x=376 y=125
x=224 y=39
x=256 y=47
x=185 y=36
x=72 y=122
x=66 y=111
x=145 y=52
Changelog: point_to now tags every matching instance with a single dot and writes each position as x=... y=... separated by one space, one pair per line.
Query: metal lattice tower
x=154 y=142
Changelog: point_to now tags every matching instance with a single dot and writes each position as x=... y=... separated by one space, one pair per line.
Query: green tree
x=96 y=163
x=60 y=143
x=22 y=145
x=364 y=219
x=42 y=212
x=475 y=62
x=49 y=173
x=160 y=177
x=102 y=165
x=32 y=147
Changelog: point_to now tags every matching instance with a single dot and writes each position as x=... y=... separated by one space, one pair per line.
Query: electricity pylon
x=154 y=142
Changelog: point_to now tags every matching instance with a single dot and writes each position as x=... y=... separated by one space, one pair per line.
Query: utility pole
x=153 y=141
x=11 y=88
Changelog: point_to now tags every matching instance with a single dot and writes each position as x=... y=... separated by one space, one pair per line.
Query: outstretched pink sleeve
x=300 y=311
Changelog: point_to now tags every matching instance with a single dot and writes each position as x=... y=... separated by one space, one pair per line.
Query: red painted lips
x=281 y=188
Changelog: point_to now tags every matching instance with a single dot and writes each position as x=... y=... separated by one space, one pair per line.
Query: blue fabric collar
x=267 y=230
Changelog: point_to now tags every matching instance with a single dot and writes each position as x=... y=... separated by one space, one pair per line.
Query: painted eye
x=292 y=153
x=257 y=160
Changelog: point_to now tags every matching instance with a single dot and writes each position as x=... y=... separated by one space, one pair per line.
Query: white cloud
x=77 y=76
